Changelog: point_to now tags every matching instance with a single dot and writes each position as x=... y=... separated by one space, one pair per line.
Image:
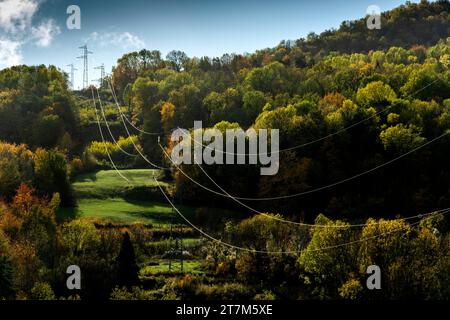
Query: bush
x=99 y=150
x=266 y=295
x=226 y=291
x=75 y=166
x=16 y=166
x=135 y=293
x=42 y=291
x=352 y=289
x=52 y=175
x=143 y=193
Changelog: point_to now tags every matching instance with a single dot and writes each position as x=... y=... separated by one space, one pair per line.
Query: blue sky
x=34 y=31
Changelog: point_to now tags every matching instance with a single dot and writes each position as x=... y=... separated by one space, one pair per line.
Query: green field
x=107 y=183
x=120 y=210
x=99 y=197
x=162 y=266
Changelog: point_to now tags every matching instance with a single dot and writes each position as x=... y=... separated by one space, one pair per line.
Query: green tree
x=375 y=94
x=269 y=79
x=144 y=96
x=400 y=139
x=177 y=59
x=132 y=65
x=326 y=262
x=389 y=250
x=51 y=175
x=41 y=128
x=253 y=103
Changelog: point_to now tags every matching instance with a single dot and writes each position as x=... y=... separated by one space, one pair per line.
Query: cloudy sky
x=35 y=31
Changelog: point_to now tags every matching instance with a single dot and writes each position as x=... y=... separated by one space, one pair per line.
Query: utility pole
x=180 y=240
x=181 y=254
x=175 y=245
x=72 y=73
x=86 y=52
x=171 y=252
x=102 y=74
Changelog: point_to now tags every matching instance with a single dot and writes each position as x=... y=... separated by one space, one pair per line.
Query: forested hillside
x=396 y=77
x=406 y=26
x=364 y=120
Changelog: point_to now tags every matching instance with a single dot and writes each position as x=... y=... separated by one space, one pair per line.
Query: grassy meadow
x=100 y=196
x=107 y=183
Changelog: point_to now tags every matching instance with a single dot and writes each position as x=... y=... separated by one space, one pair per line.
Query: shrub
x=42 y=291
x=351 y=289
x=99 y=150
x=265 y=295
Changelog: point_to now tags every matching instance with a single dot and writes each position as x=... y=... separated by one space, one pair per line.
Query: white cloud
x=10 y=54
x=125 y=40
x=16 y=15
x=45 y=33
x=17 y=28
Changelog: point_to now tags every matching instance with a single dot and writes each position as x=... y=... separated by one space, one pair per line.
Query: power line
x=129 y=135
x=86 y=52
x=103 y=137
x=373 y=116
x=225 y=194
x=285 y=196
x=314 y=189
x=425 y=216
x=122 y=116
x=109 y=129
x=428 y=216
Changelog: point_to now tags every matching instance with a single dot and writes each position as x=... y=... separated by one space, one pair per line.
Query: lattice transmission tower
x=72 y=75
x=84 y=56
x=176 y=249
x=102 y=74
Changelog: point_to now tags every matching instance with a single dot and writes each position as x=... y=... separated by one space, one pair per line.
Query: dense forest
x=364 y=117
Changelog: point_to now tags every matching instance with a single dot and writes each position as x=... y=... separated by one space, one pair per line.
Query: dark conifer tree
x=126 y=263
x=6 y=278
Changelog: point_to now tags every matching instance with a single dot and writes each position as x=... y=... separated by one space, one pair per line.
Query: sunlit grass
x=162 y=266
x=99 y=197
x=108 y=183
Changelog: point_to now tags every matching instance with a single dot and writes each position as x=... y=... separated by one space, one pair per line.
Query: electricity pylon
x=175 y=245
x=102 y=74
x=86 y=52
x=72 y=75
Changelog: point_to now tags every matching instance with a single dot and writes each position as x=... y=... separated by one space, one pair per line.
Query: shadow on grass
x=67 y=213
x=157 y=218
x=188 y=212
x=87 y=177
